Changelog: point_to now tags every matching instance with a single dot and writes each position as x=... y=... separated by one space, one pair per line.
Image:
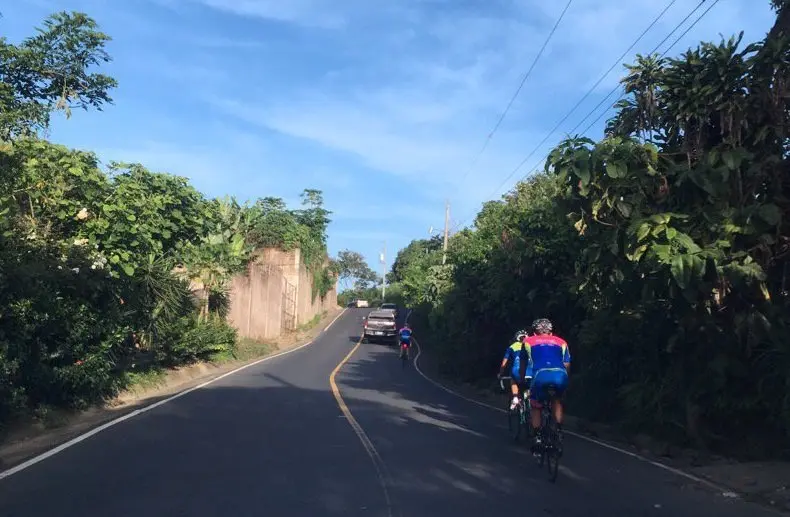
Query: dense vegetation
x=660 y=252
x=98 y=267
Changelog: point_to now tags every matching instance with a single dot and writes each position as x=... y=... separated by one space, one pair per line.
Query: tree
x=353 y=269
x=51 y=71
x=414 y=251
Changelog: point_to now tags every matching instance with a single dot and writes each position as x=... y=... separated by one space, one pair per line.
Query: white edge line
x=662 y=466
x=74 y=441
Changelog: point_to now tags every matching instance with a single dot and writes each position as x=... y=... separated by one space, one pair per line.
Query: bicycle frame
x=550 y=448
x=522 y=408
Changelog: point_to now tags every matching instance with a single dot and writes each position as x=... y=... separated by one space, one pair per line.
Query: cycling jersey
x=513 y=356
x=405 y=336
x=547 y=351
x=548 y=354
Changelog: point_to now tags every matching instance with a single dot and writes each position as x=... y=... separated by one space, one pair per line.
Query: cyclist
x=404 y=337
x=520 y=366
x=551 y=361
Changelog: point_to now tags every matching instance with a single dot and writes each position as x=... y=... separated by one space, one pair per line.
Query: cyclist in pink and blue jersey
x=551 y=360
x=404 y=335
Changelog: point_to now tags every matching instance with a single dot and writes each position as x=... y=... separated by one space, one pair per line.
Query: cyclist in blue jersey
x=520 y=366
x=551 y=361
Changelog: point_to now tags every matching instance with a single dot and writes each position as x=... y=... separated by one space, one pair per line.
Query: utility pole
x=383 y=260
x=446 y=230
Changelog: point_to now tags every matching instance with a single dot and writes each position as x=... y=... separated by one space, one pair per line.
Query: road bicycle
x=549 y=450
x=517 y=417
x=404 y=355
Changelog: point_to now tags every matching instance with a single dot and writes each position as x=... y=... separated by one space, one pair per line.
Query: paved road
x=272 y=441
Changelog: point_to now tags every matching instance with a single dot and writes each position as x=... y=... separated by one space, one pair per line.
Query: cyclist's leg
x=535 y=396
x=514 y=388
x=558 y=379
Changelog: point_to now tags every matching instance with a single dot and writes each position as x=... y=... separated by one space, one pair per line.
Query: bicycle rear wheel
x=553 y=454
x=514 y=424
x=552 y=445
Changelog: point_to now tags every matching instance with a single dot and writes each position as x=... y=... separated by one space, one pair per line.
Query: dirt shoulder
x=767 y=483
x=29 y=440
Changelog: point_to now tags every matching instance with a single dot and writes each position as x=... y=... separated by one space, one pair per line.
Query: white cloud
x=311 y=13
x=225 y=166
x=421 y=91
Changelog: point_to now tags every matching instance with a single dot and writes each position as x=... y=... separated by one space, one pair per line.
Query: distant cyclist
x=520 y=366
x=404 y=336
x=551 y=361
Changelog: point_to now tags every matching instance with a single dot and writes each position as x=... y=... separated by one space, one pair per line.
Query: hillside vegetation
x=660 y=252
x=96 y=262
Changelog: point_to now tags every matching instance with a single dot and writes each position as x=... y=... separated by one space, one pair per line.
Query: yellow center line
x=378 y=463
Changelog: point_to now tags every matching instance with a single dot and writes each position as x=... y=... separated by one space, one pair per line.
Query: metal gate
x=289 y=307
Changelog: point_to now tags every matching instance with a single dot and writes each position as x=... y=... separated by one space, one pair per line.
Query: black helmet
x=521 y=334
x=542 y=326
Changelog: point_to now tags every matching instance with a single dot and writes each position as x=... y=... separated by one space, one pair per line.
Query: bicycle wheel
x=544 y=421
x=404 y=357
x=514 y=423
x=552 y=452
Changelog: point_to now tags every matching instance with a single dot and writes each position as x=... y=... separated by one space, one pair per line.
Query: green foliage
x=108 y=274
x=51 y=71
x=661 y=254
x=352 y=267
x=203 y=340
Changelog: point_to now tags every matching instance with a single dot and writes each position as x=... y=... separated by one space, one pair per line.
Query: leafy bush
x=202 y=340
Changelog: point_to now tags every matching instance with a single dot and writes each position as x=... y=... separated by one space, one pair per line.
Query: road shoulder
x=766 y=483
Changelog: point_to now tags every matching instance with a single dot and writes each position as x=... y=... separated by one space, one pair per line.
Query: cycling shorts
x=405 y=342
x=556 y=377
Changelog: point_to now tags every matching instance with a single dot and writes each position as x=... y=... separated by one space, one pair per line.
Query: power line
x=663 y=54
x=515 y=94
x=614 y=90
x=576 y=106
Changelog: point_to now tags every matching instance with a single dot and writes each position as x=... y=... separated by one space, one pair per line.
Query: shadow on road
x=273 y=441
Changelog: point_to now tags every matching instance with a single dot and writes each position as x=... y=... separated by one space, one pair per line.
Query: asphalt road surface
x=272 y=440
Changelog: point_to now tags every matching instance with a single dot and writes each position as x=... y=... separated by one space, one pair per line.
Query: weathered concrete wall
x=275 y=296
x=256 y=308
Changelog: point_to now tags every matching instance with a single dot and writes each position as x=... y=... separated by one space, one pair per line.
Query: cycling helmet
x=542 y=326
x=521 y=334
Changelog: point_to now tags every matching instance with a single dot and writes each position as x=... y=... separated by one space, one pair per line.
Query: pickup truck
x=380 y=326
x=390 y=307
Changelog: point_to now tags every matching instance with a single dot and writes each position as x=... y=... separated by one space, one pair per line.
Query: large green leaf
x=616 y=169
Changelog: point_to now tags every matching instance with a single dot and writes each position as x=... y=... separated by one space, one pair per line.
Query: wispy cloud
x=311 y=13
x=383 y=105
x=428 y=112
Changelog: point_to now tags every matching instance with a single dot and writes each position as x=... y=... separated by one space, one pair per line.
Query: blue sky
x=381 y=104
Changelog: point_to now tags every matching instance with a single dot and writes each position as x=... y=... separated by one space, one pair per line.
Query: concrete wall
x=257 y=302
x=275 y=296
